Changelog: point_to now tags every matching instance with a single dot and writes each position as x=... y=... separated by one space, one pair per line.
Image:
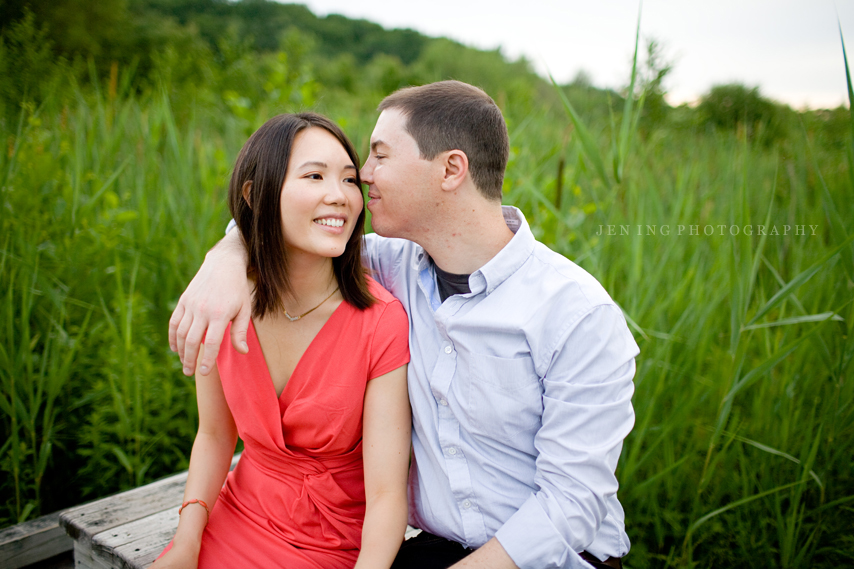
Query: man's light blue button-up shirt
x=521 y=398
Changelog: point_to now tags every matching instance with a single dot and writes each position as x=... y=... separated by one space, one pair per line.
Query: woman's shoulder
x=387 y=312
x=382 y=296
x=388 y=339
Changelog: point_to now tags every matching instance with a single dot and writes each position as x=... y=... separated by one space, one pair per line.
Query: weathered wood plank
x=136 y=545
x=84 y=559
x=33 y=541
x=84 y=522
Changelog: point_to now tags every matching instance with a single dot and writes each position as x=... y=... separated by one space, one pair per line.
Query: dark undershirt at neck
x=451 y=284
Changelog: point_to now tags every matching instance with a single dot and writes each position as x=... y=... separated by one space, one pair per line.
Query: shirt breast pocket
x=506 y=400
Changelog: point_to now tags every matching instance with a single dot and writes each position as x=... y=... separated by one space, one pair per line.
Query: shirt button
x=452 y=451
x=466 y=504
x=443 y=402
x=448 y=349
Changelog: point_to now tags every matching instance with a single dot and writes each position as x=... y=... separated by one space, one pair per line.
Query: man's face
x=400 y=182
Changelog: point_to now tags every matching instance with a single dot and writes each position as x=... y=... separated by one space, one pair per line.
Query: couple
x=520 y=378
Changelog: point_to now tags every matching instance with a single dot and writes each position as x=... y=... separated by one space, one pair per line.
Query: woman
x=321 y=392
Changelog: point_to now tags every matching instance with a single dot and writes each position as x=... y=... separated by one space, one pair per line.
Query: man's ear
x=456 y=167
x=247 y=191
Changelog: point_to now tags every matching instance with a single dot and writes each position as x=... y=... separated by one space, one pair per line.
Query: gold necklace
x=295 y=318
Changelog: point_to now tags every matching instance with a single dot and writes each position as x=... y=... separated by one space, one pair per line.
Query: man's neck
x=468 y=237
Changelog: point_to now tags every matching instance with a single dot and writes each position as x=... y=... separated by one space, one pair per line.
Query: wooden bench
x=129 y=530
x=33 y=542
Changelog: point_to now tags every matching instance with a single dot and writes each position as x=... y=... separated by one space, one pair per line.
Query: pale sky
x=789 y=48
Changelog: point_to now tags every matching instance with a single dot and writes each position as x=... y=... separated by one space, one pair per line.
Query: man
x=521 y=372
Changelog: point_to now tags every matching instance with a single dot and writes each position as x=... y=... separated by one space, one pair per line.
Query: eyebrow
x=324 y=165
x=376 y=143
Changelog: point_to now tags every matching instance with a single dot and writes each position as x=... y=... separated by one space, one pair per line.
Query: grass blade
x=799 y=280
x=628 y=122
x=850 y=104
x=738 y=503
x=766 y=366
x=588 y=144
x=797 y=320
x=775 y=452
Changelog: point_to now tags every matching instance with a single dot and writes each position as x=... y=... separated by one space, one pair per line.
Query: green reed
x=108 y=207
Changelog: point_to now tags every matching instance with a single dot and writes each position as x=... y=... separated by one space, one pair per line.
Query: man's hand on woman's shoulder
x=219 y=293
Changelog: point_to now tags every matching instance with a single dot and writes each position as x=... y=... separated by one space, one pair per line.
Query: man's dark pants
x=428 y=551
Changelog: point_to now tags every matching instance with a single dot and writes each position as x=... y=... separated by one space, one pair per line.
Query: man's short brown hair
x=451 y=115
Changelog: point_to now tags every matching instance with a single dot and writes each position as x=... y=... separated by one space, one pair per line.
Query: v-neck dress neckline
x=294 y=373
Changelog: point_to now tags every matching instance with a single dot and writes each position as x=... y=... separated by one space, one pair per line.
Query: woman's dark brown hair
x=263 y=161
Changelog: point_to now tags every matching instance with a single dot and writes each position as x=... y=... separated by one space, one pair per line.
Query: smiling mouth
x=330 y=222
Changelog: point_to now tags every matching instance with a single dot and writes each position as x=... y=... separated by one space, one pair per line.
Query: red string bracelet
x=195 y=501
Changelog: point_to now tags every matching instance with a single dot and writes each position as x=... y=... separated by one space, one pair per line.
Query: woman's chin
x=337 y=252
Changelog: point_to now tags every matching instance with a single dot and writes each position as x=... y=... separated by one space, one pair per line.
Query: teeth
x=330 y=222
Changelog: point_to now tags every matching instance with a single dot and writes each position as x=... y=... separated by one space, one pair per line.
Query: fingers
x=181 y=335
x=174 y=321
x=213 y=340
x=240 y=327
x=191 y=344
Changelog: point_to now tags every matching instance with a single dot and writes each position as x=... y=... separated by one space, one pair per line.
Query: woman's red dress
x=296 y=498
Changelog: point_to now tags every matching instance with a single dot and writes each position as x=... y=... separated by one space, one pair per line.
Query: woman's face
x=321 y=200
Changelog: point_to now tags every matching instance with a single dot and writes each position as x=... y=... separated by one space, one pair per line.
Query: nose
x=367 y=172
x=336 y=193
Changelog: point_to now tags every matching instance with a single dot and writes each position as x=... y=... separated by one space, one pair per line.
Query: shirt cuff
x=533 y=542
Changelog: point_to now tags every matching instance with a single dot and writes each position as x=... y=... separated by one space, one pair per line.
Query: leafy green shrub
x=27 y=65
x=729 y=106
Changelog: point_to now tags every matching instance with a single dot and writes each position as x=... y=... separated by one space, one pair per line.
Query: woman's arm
x=209 y=462
x=385 y=443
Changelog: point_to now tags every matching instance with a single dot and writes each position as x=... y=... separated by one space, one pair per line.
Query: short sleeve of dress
x=390 y=345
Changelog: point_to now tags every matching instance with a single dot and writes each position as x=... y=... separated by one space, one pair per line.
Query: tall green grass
x=108 y=205
x=745 y=408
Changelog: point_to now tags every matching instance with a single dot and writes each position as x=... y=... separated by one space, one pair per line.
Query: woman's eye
x=350 y=181
x=314 y=176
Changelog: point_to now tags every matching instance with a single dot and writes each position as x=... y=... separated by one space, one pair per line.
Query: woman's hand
x=178 y=557
x=220 y=292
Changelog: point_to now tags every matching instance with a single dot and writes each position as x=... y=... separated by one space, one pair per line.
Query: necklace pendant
x=295 y=318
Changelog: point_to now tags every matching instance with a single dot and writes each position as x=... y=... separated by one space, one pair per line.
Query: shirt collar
x=510 y=258
x=502 y=265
